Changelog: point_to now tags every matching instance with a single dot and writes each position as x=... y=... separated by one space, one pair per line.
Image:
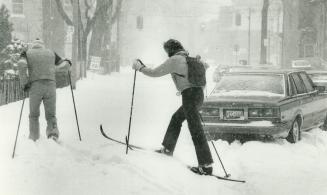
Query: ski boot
x=165 y=151
x=53 y=136
x=202 y=169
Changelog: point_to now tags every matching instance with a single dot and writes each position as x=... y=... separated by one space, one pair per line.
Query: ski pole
x=226 y=175
x=130 y=116
x=20 y=117
x=71 y=89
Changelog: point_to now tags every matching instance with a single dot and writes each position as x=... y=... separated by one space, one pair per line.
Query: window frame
x=301 y=74
x=14 y=3
x=309 y=50
x=301 y=81
x=284 y=87
x=140 y=22
x=293 y=90
x=238 y=19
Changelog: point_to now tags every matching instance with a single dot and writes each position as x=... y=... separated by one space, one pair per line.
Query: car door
x=317 y=105
x=304 y=99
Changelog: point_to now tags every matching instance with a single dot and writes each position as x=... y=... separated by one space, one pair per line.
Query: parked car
x=270 y=103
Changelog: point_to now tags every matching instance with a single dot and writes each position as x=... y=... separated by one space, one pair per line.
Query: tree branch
x=63 y=13
x=89 y=20
x=100 y=9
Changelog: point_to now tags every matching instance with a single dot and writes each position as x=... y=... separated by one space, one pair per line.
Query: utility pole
x=249 y=38
x=264 y=29
x=324 y=30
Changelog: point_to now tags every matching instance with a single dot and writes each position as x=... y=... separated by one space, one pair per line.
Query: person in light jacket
x=192 y=99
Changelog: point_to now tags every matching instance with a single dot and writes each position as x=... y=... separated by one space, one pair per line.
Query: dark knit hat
x=173 y=46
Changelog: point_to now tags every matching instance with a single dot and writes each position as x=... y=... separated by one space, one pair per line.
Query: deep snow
x=98 y=166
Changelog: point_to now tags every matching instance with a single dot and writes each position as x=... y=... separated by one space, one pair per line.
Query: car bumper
x=260 y=128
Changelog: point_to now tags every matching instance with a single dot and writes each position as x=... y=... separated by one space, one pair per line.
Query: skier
x=192 y=99
x=37 y=68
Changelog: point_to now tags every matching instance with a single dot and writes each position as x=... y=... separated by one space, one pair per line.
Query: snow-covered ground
x=98 y=166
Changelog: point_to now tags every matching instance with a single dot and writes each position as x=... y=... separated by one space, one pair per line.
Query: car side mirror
x=320 y=88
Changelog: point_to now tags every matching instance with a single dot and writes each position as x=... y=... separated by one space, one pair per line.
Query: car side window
x=307 y=82
x=300 y=88
x=292 y=86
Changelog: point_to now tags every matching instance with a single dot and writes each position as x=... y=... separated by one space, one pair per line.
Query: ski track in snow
x=98 y=166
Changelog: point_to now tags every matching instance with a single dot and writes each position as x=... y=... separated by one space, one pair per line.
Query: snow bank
x=97 y=166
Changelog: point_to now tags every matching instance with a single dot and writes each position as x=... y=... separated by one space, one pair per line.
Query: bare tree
x=92 y=22
x=100 y=44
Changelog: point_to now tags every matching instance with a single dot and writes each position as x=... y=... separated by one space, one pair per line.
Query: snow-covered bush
x=9 y=57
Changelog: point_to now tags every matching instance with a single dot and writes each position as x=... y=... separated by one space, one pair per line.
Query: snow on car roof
x=265 y=71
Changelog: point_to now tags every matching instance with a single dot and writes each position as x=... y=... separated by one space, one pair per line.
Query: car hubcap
x=296 y=131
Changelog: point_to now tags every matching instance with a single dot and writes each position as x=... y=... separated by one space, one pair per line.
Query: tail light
x=263 y=112
x=209 y=112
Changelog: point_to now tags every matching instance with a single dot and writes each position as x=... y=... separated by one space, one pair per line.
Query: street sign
x=95 y=63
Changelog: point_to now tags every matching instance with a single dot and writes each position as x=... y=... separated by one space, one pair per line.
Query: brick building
x=26 y=16
x=238 y=38
x=296 y=30
x=239 y=33
x=37 y=19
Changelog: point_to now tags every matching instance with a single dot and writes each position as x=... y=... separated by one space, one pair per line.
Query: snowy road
x=97 y=166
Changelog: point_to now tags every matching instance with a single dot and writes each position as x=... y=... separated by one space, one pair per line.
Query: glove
x=69 y=62
x=27 y=87
x=138 y=65
x=64 y=67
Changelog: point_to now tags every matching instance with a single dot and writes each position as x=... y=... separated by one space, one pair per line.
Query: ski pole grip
x=140 y=61
x=69 y=62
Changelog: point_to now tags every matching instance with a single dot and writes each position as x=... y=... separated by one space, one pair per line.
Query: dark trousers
x=192 y=101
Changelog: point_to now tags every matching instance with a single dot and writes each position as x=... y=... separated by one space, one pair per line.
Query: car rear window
x=251 y=84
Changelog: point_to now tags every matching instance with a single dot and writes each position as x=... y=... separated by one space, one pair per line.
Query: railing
x=10 y=90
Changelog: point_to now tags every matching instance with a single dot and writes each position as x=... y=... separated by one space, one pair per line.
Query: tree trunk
x=100 y=44
x=99 y=31
x=106 y=58
x=264 y=30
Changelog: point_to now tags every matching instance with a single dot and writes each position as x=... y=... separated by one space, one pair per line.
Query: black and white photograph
x=163 y=97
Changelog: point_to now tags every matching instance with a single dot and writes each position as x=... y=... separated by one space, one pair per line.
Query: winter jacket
x=177 y=67
x=40 y=63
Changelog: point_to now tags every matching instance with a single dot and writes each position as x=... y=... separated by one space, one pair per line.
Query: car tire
x=294 y=134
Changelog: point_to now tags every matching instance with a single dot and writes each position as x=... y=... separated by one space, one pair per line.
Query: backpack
x=196 y=71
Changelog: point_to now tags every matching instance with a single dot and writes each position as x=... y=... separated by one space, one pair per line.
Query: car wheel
x=295 y=133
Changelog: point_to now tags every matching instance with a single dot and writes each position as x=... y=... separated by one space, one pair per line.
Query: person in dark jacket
x=37 y=68
x=192 y=99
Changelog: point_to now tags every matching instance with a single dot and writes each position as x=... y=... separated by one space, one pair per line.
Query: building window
x=18 y=7
x=309 y=50
x=238 y=19
x=139 y=22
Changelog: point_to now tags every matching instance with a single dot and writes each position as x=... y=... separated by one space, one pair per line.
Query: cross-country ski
x=146 y=149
